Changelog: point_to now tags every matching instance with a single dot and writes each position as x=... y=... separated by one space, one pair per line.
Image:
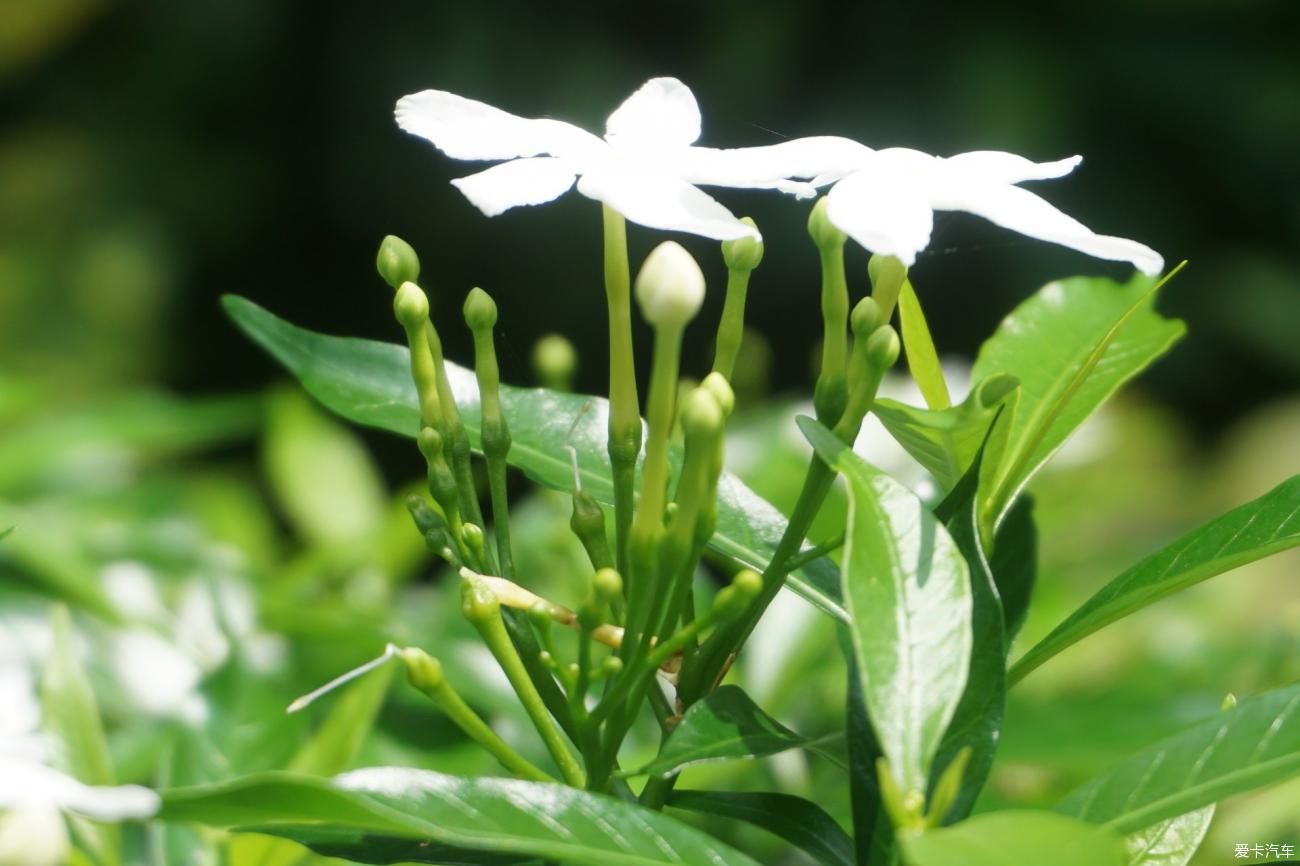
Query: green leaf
x=873 y=834
x=1014 y=562
x=1169 y=843
x=72 y=720
x=1255 y=743
x=803 y=824
x=1015 y=838
x=922 y=359
x=945 y=441
x=908 y=593
x=1249 y=532
x=725 y=725
x=977 y=722
x=369 y=383
x=1071 y=345
x=321 y=474
x=392 y=814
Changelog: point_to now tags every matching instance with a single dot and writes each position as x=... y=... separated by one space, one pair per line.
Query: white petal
x=824 y=157
x=34 y=835
x=467 y=129
x=996 y=166
x=24 y=783
x=663 y=202
x=663 y=112
x=1022 y=211
x=518 y=182
x=883 y=210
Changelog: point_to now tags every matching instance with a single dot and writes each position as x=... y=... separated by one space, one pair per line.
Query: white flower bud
x=670 y=286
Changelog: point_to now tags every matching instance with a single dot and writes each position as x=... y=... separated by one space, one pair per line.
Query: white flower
x=645 y=167
x=886 y=199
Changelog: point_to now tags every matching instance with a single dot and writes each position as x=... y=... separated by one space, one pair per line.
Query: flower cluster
x=649 y=169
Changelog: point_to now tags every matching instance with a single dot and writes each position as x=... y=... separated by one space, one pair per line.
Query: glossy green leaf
x=922 y=358
x=1015 y=838
x=1249 y=532
x=803 y=824
x=725 y=725
x=1014 y=561
x=71 y=718
x=1169 y=843
x=1071 y=345
x=908 y=592
x=945 y=441
x=369 y=383
x=873 y=834
x=393 y=814
x=977 y=722
x=1255 y=743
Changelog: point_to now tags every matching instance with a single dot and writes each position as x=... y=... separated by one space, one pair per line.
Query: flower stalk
x=624 y=406
x=481 y=316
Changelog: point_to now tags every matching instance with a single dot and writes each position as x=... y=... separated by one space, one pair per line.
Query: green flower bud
x=743 y=254
x=608 y=585
x=477 y=601
x=865 y=318
x=701 y=415
x=737 y=595
x=430 y=442
x=717 y=385
x=472 y=535
x=824 y=234
x=422 y=670
x=748 y=584
x=397 y=263
x=670 y=286
x=480 y=310
x=555 y=362
x=426 y=517
x=1229 y=702
x=411 y=306
x=612 y=666
x=883 y=347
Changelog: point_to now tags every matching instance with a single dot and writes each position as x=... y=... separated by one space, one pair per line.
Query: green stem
x=731 y=327
x=831 y=391
x=813 y=554
x=624 y=407
x=484 y=611
x=426 y=675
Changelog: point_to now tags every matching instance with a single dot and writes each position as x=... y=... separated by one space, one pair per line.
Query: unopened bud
x=477 y=601
x=717 y=385
x=430 y=442
x=608 y=585
x=472 y=535
x=555 y=362
x=411 y=305
x=824 y=234
x=701 y=415
x=480 y=310
x=743 y=254
x=883 y=347
x=670 y=286
x=422 y=670
x=397 y=263
x=865 y=318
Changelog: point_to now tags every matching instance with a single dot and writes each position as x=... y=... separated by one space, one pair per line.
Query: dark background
x=154 y=155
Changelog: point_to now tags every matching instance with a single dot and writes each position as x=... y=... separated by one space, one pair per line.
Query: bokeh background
x=156 y=155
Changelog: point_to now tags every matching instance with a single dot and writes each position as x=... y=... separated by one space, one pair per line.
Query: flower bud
x=865 y=318
x=427 y=518
x=422 y=670
x=411 y=305
x=430 y=442
x=608 y=585
x=701 y=415
x=883 y=348
x=472 y=535
x=555 y=361
x=480 y=310
x=670 y=286
x=824 y=234
x=717 y=385
x=397 y=263
x=477 y=601
x=743 y=254
x=737 y=595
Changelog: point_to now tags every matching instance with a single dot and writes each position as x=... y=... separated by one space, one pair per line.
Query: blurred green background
x=155 y=155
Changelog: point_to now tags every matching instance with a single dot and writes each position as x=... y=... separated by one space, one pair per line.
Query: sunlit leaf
x=390 y=814
x=1249 y=532
x=1169 y=843
x=907 y=590
x=1253 y=744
